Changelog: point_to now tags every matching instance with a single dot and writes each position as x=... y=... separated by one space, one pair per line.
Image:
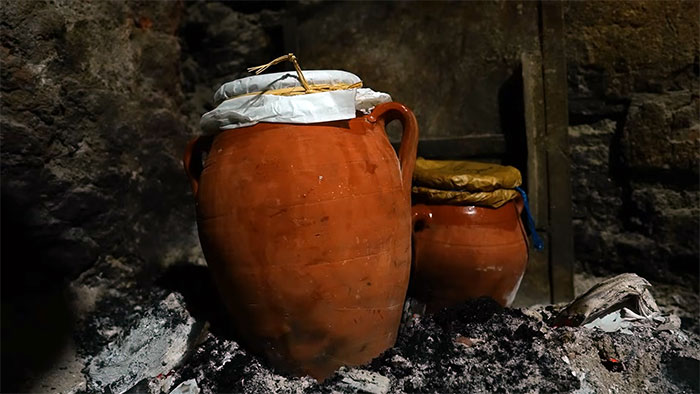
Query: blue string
x=536 y=240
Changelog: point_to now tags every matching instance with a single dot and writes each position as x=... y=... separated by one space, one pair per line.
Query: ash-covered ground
x=475 y=347
x=478 y=347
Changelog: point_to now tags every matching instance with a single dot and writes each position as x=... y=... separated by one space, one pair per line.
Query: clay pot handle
x=192 y=160
x=421 y=216
x=387 y=112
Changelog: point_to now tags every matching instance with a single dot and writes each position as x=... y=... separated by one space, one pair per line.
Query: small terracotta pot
x=463 y=252
x=307 y=231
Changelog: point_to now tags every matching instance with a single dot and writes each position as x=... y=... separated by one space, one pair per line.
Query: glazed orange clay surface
x=463 y=252
x=306 y=230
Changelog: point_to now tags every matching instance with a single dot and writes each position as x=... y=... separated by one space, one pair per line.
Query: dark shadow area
x=684 y=371
x=37 y=321
x=479 y=310
x=511 y=108
x=511 y=111
x=686 y=266
x=251 y=7
x=202 y=300
x=212 y=49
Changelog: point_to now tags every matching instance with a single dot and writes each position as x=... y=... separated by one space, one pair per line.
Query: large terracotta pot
x=307 y=231
x=462 y=252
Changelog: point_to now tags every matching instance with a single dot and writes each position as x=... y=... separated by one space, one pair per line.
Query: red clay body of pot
x=306 y=230
x=463 y=252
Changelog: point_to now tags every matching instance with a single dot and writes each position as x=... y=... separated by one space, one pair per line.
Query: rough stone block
x=662 y=132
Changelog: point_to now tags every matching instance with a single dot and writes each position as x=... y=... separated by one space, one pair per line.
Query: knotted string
x=288 y=57
x=306 y=88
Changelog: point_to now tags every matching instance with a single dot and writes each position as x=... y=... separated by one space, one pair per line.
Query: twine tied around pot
x=306 y=88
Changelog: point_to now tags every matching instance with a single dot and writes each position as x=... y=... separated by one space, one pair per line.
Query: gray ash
x=221 y=366
x=477 y=346
x=474 y=347
x=117 y=314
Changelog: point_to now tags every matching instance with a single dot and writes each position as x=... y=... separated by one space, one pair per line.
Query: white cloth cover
x=248 y=110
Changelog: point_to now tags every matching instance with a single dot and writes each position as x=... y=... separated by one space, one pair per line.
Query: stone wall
x=452 y=63
x=633 y=100
x=99 y=99
x=635 y=136
x=98 y=103
x=92 y=133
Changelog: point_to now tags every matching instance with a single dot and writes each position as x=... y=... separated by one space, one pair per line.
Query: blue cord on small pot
x=536 y=240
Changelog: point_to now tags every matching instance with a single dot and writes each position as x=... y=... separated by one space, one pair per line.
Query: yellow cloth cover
x=459 y=182
x=493 y=199
x=471 y=176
